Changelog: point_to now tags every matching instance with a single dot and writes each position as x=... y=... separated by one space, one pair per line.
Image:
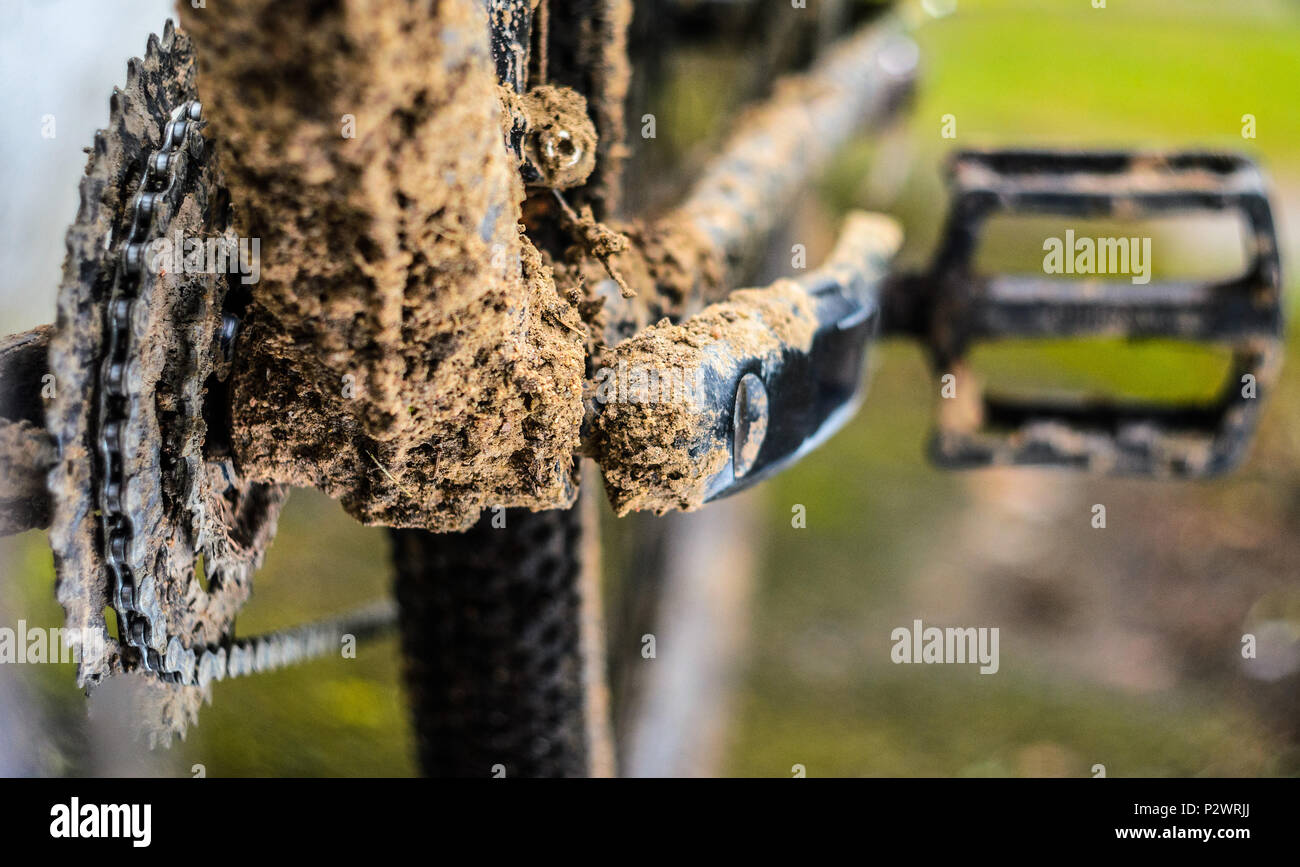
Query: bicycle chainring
x=147 y=499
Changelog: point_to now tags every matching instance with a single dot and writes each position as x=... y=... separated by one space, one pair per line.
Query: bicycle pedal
x=953 y=308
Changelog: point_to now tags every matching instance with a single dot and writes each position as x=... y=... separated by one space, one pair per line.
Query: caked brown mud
x=404 y=351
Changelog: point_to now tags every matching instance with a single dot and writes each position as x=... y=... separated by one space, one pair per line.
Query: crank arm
x=688 y=413
x=952 y=308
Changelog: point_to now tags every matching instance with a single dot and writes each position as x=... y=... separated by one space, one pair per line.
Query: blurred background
x=1119 y=647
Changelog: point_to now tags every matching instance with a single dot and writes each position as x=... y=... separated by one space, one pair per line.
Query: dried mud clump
x=404 y=349
x=658 y=450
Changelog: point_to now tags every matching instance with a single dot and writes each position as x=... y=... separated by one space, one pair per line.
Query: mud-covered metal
x=952 y=308
x=688 y=413
x=784 y=404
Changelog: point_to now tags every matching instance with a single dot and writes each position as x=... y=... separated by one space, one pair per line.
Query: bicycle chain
x=132 y=595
